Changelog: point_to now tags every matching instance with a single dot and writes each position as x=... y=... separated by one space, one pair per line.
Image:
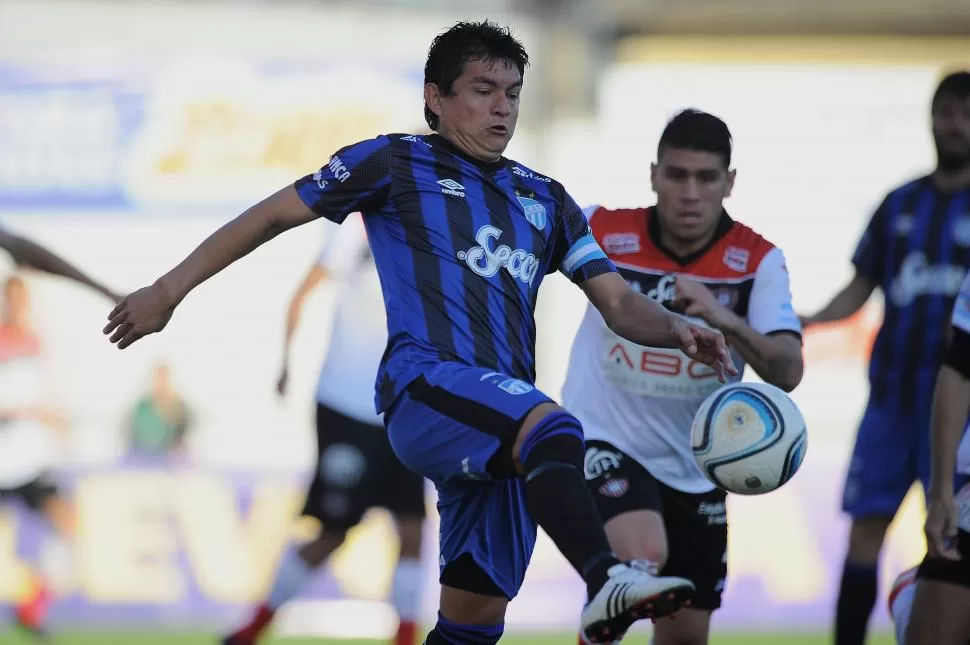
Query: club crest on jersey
x=736 y=258
x=486 y=261
x=534 y=211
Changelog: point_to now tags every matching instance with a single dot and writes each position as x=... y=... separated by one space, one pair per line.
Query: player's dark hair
x=956 y=84
x=485 y=41
x=696 y=130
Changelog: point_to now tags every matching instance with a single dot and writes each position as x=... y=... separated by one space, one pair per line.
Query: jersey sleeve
x=357 y=178
x=770 y=308
x=576 y=253
x=343 y=247
x=869 y=256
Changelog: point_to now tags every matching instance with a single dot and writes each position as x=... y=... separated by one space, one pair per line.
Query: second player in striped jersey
x=916 y=250
x=637 y=403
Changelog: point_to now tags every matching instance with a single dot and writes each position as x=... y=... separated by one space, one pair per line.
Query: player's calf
x=550 y=451
x=293 y=573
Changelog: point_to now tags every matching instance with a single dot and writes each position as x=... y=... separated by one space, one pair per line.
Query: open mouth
x=498 y=129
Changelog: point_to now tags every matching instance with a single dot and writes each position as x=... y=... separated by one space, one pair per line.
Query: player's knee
x=554 y=440
x=313 y=553
x=866 y=537
x=446 y=632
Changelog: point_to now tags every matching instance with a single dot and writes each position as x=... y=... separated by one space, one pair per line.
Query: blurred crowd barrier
x=122 y=156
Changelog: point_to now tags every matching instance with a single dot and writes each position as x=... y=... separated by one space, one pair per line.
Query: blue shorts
x=449 y=425
x=892 y=450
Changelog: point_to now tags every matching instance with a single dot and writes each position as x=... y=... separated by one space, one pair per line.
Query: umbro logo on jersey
x=451 y=187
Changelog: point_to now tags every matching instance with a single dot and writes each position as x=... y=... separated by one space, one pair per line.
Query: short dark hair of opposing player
x=696 y=130
x=485 y=41
x=956 y=84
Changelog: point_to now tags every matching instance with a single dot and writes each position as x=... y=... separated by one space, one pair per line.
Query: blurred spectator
x=160 y=420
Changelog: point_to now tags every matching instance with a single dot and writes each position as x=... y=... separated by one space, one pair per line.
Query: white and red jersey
x=643 y=400
x=27 y=446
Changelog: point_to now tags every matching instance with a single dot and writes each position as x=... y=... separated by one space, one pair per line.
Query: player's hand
x=941 y=528
x=704 y=345
x=697 y=301
x=282 y=382
x=141 y=313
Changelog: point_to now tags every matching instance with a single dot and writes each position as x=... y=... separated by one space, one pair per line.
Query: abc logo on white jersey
x=749 y=438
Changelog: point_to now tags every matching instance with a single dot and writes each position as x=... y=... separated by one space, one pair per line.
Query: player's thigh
x=940 y=614
x=347 y=470
x=689 y=626
x=941 y=608
x=697 y=532
x=456 y=426
x=883 y=465
x=460 y=423
x=628 y=500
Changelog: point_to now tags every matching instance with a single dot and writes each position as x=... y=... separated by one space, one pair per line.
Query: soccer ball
x=749 y=438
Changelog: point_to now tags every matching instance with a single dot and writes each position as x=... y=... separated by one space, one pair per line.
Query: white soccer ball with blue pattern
x=749 y=438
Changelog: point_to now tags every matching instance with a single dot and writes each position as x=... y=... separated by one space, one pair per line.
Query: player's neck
x=684 y=249
x=951 y=181
x=466 y=146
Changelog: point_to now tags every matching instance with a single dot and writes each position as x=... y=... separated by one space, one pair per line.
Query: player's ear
x=432 y=98
x=729 y=183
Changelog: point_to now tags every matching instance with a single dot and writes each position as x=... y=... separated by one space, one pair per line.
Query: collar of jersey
x=487 y=166
x=653 y=232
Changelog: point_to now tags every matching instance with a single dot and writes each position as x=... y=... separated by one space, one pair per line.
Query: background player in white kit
x=930 y=605
x=26 y=418
x=636 y=403
x=356 y=467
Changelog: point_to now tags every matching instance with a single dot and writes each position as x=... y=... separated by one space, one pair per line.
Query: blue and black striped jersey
x=461 y=247
x=916 y=249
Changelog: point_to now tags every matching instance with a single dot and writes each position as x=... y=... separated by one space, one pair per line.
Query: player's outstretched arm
x=845 y=303
x=28 y=253
x=149 y=309
x=776 y=357
x=313 y=277
x=640 y=320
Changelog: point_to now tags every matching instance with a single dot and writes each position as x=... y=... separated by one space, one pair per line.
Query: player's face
x=951 y=131
x=480 y=113
x=691 y=186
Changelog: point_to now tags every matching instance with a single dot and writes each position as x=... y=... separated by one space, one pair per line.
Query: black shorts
x=955 y=572
x=357 y=470
x=696 y=523
x=33 y=493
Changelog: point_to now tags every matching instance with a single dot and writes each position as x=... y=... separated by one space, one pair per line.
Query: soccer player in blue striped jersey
x=462 y=238
x=916 y=249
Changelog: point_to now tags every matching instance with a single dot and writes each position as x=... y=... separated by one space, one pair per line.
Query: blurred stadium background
x=129 y=130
